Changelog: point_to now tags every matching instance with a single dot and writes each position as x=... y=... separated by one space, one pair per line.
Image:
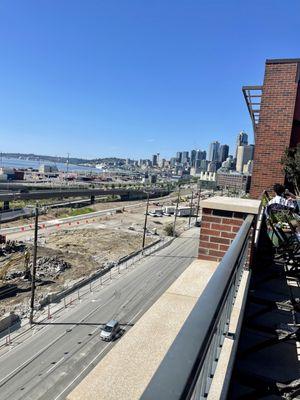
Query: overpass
x=125 y=194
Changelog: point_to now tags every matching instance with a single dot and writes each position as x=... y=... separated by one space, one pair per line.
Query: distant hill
x=72 y=160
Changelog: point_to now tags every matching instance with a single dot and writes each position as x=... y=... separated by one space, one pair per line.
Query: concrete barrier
x=8 y=320
x=56 y=297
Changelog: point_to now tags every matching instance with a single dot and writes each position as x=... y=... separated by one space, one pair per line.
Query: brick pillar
x=218 y=229
x=222 y=218
x=275 y=131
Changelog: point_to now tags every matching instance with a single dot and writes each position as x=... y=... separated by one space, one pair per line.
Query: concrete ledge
x=247 y=206
x=126 y=370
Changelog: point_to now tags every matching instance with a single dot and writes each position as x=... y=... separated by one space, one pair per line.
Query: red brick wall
x=217 y=233
x=295 y=139
x=273 y=134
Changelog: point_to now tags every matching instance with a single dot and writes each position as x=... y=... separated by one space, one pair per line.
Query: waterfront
x=63 y=167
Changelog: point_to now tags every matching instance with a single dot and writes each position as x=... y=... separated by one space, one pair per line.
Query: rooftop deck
x=267 y=359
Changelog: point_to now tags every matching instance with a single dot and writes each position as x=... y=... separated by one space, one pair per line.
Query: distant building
x=203 y=165
x=213 y=166
x=223 y=152
x=248 y=168
x=213 y=152
x=207 y=180
x=233 y=180
x=153 y=178
x=162 y=163
x=193 y=158
x=10 y=174
x=242 y=140
x=46 y=169
x=185 y=157
x=200 y=155
x=173 y=161
x=155 y=160
x=244 y=154
x=179 y=156
x=228 y=164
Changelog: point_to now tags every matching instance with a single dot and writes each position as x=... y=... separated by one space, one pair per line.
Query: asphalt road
x=49 y=364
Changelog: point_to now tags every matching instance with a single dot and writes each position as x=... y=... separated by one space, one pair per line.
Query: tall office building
x=193 y=157
x=244 y=154
x=179 y=156
x=154 y=160
x=173 y=161
x=162 y=162
x=223 y=152
x=213 y=152
x=185 y=157
x=242 y=140
x=201 y=155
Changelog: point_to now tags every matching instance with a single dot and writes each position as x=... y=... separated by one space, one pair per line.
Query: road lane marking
x=27 y=362
x=55 y=365
x=78 y=376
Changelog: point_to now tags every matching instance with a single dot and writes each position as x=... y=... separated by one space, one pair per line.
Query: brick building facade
x=233 y=180
x=279 y=123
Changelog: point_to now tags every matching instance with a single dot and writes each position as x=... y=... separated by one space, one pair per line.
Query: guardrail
x=187 y=370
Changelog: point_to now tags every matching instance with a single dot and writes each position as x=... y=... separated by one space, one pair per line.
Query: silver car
x=110 y=331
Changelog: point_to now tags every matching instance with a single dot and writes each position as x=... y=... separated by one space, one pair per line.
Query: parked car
x=156 y=213
x=110 y=331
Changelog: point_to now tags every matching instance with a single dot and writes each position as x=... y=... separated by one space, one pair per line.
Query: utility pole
x=145 y=223
x=36 y=226
x=191 y=208
x=175 y=214
x=198 y=204
x=68 y=162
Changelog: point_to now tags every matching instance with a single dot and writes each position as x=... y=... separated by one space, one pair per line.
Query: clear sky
x=133 y=77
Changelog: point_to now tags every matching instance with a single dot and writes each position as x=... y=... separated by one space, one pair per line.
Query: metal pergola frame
x=253 y=96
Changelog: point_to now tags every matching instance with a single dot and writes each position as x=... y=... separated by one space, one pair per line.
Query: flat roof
x=283 y=61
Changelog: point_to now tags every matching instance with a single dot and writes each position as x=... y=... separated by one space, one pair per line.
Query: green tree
x=169 y=229
x=291 y=166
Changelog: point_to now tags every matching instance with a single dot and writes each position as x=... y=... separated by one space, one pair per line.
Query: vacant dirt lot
x=85 y=248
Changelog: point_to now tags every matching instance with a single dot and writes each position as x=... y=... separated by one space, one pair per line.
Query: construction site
x=70 y=252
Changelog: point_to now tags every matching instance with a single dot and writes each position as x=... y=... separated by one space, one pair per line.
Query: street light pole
x=34 y=263
x=145 y=223
x=198 y=204
x=191 y=208
x=175 y=215
x=68 y=160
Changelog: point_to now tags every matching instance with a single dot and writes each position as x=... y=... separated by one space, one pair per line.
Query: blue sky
x=134 y=77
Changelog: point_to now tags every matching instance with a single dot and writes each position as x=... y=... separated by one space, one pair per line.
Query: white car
x=110 y=331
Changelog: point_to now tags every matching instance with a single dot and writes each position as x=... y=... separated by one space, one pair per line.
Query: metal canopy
x=252 y=96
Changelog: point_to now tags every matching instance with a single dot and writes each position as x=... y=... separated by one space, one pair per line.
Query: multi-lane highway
x=50 y=363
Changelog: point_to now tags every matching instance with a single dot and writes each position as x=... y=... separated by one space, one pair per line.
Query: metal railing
x=187 y=370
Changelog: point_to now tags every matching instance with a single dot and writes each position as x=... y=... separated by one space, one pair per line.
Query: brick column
x=275 y=131
x=222 y=218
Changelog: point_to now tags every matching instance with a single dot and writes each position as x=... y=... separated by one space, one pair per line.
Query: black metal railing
x=187 y=369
